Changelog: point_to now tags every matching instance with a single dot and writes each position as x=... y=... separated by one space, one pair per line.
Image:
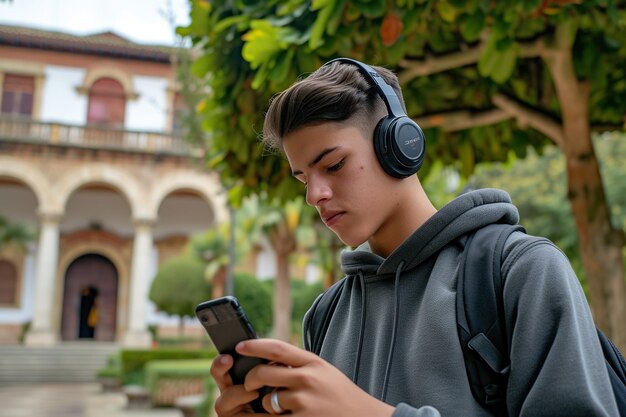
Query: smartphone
x=226 y=323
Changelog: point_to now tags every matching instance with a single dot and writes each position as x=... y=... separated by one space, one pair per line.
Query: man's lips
x=332 y=217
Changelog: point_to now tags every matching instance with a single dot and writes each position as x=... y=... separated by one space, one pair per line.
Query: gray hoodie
x=557 y=368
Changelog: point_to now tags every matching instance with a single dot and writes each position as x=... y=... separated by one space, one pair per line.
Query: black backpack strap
x=480 y=315
x=320 y=315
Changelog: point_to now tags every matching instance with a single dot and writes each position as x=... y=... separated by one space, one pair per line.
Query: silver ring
x=275 y=404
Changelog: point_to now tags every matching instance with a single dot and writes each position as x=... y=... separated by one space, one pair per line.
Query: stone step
x=66 y=362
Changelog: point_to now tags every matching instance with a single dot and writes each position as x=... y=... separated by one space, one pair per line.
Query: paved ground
x=70 y=400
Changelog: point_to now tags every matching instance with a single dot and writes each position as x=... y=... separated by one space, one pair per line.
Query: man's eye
x=336 y=167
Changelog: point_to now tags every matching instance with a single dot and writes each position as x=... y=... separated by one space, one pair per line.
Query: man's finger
x=275 y=351
x=270 y=376
x=219 y=371
x=235 y=399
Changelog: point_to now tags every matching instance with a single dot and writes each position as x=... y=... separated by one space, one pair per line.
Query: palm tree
x=13 y=234
x=259 y=217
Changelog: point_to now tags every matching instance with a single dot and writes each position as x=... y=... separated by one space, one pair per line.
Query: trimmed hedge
x=113 y=368
x=133 y=361
x=168 y=379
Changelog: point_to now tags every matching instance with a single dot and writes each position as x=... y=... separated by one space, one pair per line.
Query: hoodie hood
x=469 y=211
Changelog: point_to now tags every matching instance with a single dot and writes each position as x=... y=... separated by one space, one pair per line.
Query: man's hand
x=308 y=386
x=234 y=400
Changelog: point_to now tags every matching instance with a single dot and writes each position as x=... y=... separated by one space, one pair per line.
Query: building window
x=17 y=95
x=107 y=103
x=8 y=283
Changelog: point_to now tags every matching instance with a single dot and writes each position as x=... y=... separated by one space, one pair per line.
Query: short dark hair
x=333 y=93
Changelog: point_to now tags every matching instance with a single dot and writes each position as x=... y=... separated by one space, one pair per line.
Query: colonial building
x=90 y=160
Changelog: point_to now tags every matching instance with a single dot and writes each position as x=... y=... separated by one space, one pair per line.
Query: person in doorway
x=88 y=313
x=391 y=347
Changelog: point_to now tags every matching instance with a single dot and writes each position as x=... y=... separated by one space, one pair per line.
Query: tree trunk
x=219 y=283
x=600 y=244
x=282 y=299
x=284 y=243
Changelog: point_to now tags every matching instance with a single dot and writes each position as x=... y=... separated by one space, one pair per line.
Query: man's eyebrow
x=316 y=159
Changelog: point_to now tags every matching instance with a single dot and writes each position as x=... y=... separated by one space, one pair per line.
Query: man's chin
x=351 y=241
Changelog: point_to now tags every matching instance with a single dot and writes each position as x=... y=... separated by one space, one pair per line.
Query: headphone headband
x=387 y=93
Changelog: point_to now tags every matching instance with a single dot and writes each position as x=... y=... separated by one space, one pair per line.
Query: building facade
x=91 y=161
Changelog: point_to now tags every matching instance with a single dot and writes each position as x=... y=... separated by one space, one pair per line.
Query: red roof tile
x=102 y=44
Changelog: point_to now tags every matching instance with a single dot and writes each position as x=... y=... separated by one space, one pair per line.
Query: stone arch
x=117 y=74
x=119 y=179
x=207 y=186
x=110 y=252
x=33 y=178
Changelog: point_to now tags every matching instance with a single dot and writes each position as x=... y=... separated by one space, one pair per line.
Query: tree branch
x=529 y=117
x=506 y=108
x=432 y=65
x=461 y=120
x=606 y=127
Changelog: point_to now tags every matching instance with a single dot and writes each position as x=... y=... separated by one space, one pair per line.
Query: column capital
x=143 y=222
x=50 y=216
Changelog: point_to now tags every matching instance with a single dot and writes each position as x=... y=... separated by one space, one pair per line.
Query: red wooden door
x=90 y=299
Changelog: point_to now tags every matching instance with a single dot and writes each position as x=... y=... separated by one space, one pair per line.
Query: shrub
x=179 y=286
x=256 y=299
x=302 y=294
x=113 y=368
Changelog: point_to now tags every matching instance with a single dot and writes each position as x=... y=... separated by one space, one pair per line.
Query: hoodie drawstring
x=394 y=329
x=355 y=373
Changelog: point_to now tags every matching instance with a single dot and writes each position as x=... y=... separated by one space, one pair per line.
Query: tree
x=537 y=186
x=256 y=299
x=279 y=224
x=483 y=79
x=213 y=248
x=304 y=294
x=179 y=286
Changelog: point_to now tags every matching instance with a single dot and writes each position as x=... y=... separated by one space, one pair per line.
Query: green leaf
x=467 y=157
x=505 y=64
x=201 y=66
x=260 y=77
x=261 y=43
x=371 y=8
x=335 y=19
x=488 y=58
x=472 y=25
x=281 y=68
x=459 y=4
x=229 y=22
x=447 y=12
x=199 y=13
x=498 y=60
x=319 y=27
x=530 y=5
x=320 y=4
x=216 y=159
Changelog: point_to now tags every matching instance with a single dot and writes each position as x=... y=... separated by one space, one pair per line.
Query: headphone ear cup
x=382 y=147
x=399 y=145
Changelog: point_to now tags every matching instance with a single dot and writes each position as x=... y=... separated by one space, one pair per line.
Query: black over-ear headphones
x=398 y=141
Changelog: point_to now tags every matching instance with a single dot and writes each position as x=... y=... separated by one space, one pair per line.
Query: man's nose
x=317 y=192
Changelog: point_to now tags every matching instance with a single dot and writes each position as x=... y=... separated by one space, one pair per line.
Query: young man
x=392 y=348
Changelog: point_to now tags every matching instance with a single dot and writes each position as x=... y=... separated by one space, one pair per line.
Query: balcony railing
x=92 y=137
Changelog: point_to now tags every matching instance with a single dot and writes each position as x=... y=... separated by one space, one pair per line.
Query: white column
x=41 y=332
x=137 y=334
